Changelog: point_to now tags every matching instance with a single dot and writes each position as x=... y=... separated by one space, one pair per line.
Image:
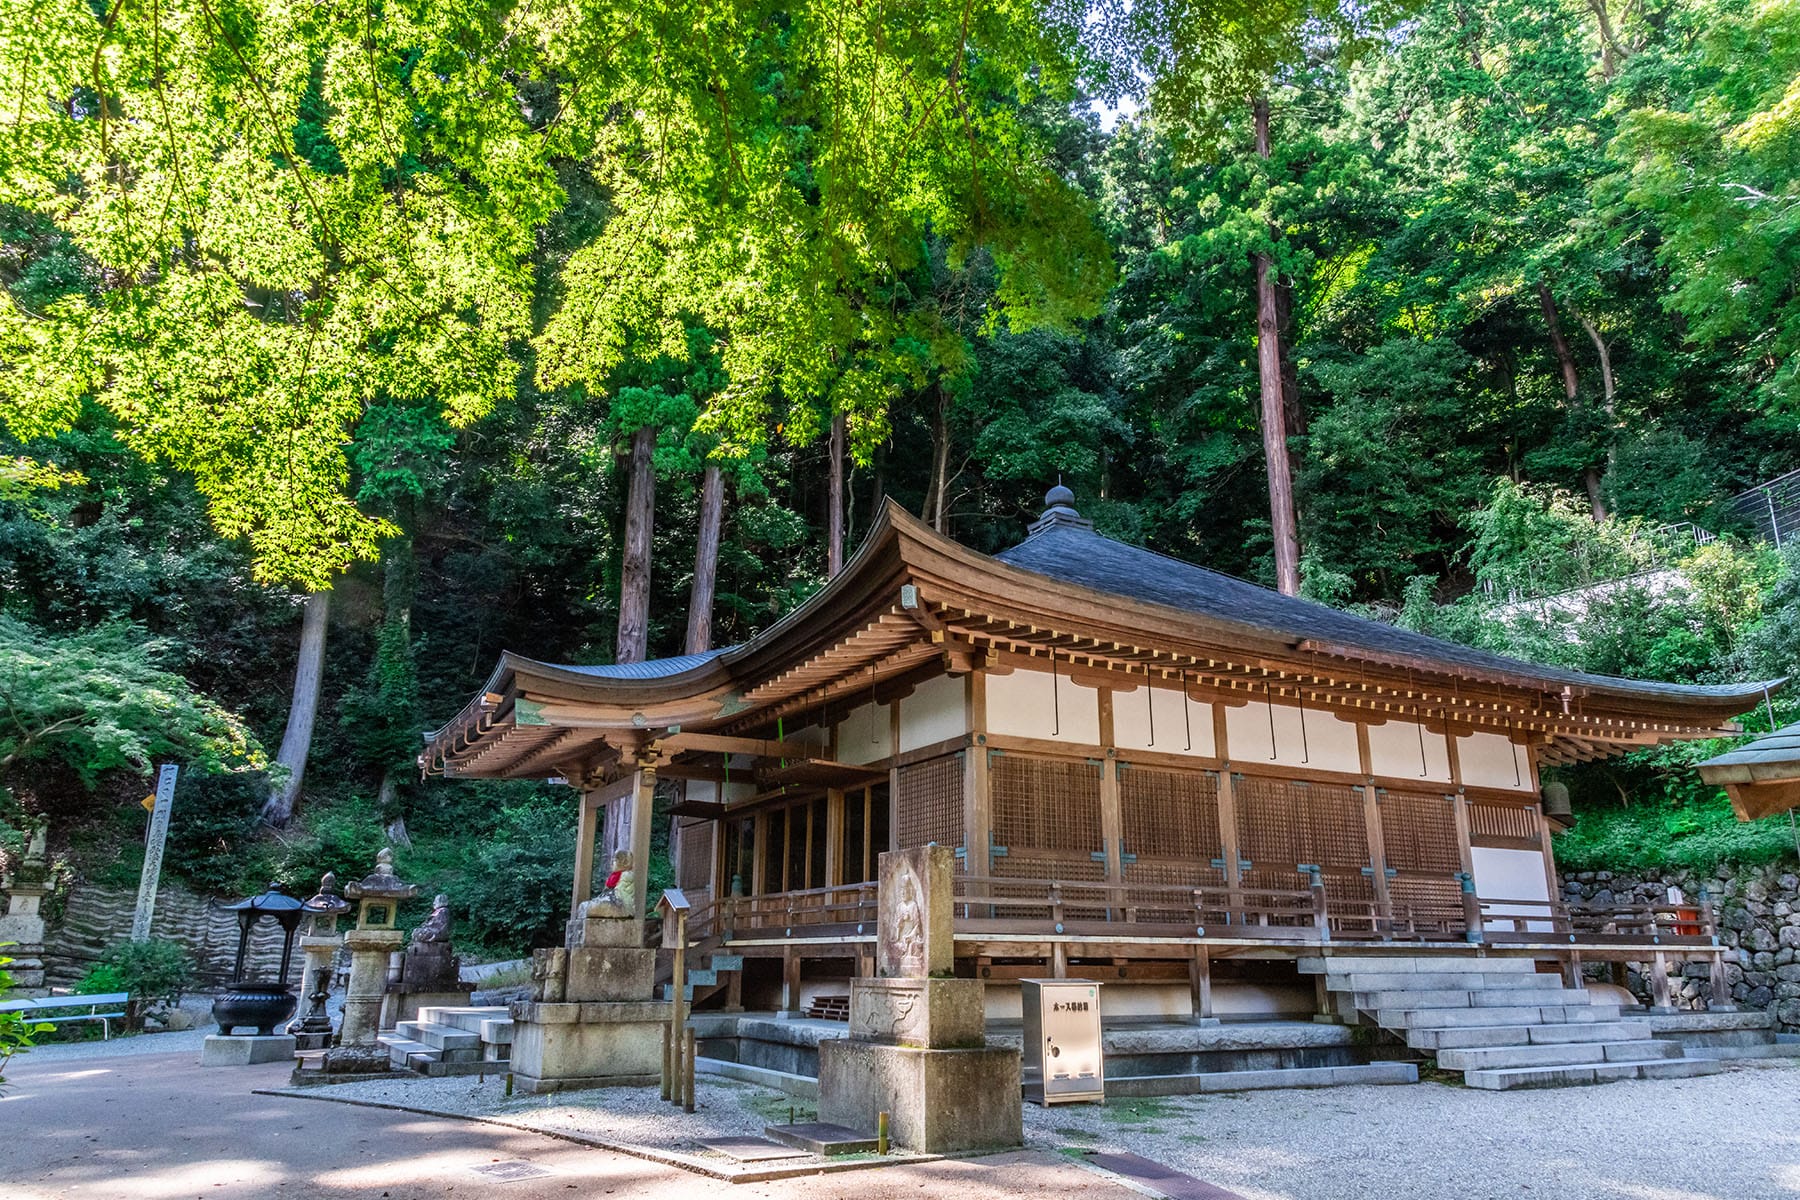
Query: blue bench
x=41 y=1009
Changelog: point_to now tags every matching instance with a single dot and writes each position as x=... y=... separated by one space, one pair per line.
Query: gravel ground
x=633 y=1116
x=1732 y=1136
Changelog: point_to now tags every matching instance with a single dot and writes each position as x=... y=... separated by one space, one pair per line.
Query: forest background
x=380 y=341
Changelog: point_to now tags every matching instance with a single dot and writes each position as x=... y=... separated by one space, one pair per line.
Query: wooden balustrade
x=998 y=904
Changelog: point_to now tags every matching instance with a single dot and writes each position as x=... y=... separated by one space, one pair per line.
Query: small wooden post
x=790 y=980
x=1200 y=982
x=668 y=1062
x=1659 y=982
x=687 y=1085
x=1720 y=1000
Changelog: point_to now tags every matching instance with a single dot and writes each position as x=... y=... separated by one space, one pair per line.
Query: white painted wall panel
x=865 y=734
x=1394 y=751
x=1511 y=875
x=1493 y=760
x=1133 y=728
x=1311 y=738
x=1029 y=704
x=933 y=713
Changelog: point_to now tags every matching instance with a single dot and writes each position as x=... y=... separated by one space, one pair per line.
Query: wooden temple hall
x=1151 y=773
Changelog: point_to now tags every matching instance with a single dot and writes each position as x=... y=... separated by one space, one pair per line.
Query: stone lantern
x=371 y=943
x=312 y=1031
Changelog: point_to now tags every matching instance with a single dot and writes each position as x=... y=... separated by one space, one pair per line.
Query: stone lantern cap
x=326 y=902
x=383 y=884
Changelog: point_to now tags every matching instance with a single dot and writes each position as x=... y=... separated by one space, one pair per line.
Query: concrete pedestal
x=219 y=1050
x=937 y=1101
x=562 y=1046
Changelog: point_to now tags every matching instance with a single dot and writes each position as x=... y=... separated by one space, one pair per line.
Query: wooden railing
x=815 y=912
x=997 y=904
x=1598 y=924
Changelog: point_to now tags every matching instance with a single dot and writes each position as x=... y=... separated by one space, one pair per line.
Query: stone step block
x=1450 y=962
x=1519 y=1035
x=444 y=1037
x=497 y=1031
x=1399 y=981
x=401 y=1050
x=1458 y=1018
x=1277 y=1077
x=1756 y=1050
x=1507 y=1078
x=1455 y=998
x=1553 y=1055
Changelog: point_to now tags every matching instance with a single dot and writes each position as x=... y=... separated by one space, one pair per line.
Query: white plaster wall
x=1027 y=704
x=856 y=742
x=933 y=713
x=1511 y=875
x=809 y=735
x=1132 y=713
x=702 y=791
x=1394 y=750
x=1328 y=745
x=1493 y=760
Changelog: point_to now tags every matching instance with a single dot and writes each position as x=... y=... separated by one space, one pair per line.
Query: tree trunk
x=284 y=798
x=1590 y=476
x=634 y=572
x=937 y=500
x=834 y=508
x=1291 y=407
x=706 y=560
x=1283 y=526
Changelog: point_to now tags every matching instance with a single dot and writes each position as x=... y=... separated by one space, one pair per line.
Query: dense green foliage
x=374 y=302
x=153 y=973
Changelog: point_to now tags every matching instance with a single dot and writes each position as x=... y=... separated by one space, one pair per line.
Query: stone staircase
x=451 y=1041
x=1499 y=1021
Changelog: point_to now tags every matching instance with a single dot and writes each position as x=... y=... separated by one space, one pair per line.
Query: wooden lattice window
x=928 y=802
x=1418 y=832
x=1283 y=823
x=695 y=867
x=1512 y=825
x=1169 y=814
x=1045 y=804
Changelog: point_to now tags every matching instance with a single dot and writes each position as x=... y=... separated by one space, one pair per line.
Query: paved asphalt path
x=158 y=1127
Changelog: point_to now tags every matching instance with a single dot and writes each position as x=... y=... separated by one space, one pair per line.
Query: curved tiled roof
x=1071 y=552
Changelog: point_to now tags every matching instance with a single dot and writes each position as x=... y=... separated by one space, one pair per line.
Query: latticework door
x=1285 y=824
x=1046 y=819
x=928 y=803
x=1418 y=835
x=695 y=862
x=1170 y=821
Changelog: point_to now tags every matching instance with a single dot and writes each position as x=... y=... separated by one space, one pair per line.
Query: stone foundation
x=937 y=1101
x=219 y=1050
x=562 y=1046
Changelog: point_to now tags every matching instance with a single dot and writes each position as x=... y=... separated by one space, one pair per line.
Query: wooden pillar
x=642 y=798
x=1228 y=827
x=790 y=979
x=584 y=851
x=977 y=801
x=1660 y=1000
x=1459 y=807
x=834 y=837
x=1200 y=983
x=1384 y=906
x=1720 y=998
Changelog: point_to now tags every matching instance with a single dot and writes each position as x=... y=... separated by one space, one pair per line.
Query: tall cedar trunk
x=834 y=507
x=706 y=560
x=397 y=675
x=303 y=710
x=1590 y=476
x=1291 y=408
x=1282 y=522
x=937 y=500
x=634 y=572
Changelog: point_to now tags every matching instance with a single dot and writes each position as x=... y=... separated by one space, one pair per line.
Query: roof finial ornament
x=1059 y=509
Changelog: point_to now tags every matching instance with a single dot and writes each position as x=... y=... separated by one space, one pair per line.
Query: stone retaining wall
x=96 y=917
x=1758 y=909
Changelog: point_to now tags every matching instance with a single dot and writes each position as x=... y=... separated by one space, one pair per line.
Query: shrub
x=155 y=973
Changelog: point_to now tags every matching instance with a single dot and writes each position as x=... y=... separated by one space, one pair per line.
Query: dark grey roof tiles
x=1068 y=552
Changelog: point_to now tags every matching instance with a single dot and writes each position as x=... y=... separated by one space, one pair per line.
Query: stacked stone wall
x=97 y=917
x=1758 y=909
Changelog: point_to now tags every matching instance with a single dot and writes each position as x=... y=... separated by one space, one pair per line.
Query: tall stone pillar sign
x=153 y=853
x=918 y=1048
